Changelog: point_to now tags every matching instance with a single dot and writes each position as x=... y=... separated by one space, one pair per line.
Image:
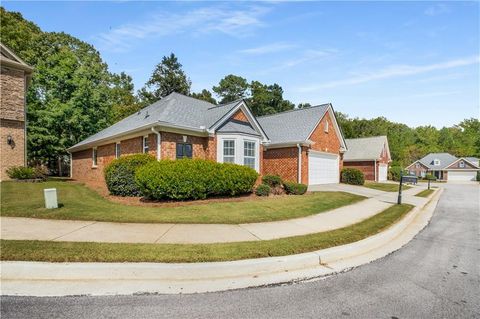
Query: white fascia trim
x=462 y=159
x=288 y=144
x=360 y=160
x=329 y=110
x=417 y=161
x=253 y=121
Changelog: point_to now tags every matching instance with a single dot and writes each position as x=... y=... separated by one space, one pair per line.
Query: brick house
x=14 y=78
x=446 y=167
x=304 y=145
x=371 y=155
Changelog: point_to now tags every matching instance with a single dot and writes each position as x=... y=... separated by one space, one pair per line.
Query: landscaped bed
x=81 y=203
x=386 y=187
x=425 y=193
x=103 y=252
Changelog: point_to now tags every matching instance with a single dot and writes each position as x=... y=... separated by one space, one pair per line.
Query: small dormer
x=436 y=162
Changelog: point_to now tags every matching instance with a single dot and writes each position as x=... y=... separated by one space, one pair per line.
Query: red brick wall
x=170 y=140
x=282 y=162
x=417 y=171
x=457 y=165
x=82 y=169
x=11 y=155
x=367 y=167
x=240 y=116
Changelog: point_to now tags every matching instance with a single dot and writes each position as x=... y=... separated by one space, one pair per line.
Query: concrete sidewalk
x=90 y=231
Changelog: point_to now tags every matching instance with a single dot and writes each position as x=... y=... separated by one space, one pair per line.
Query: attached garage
x=323 y=168
x=462 y=176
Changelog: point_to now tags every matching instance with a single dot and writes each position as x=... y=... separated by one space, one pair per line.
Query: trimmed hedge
x=120 y=174
x=193 y=179
x=263 y=190
x=352 y=176
x=272 y=180
x=295 y=188
x=22 y=172
x=394 y=173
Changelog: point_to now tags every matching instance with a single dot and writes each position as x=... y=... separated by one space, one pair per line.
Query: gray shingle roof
x=174 y=109
x=445 y=160
x=292 y=126
x=365 y=148
x=233 y=126
x=473 y=160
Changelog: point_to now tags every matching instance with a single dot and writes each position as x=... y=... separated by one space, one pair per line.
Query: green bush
x=352 y=176
x=430 y=177
x=295 y=188
x=193 y=179
x=21 y=172
x=263 y=190
x=394 y=173
x=272 y=180
x=120 y=174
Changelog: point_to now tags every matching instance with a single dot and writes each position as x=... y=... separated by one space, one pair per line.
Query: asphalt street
x=436 y=275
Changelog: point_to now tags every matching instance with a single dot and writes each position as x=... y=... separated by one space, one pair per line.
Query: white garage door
x=462 y=176
x=322 y=168
x=382 y=172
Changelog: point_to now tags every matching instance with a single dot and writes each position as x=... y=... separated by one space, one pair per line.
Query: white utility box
x=50 y=198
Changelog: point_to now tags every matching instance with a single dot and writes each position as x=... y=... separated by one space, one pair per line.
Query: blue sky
x=412 y=62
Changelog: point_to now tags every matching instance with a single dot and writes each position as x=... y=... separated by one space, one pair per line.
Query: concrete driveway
x=436 y=275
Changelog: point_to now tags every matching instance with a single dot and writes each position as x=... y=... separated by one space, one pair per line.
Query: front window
x=117 y=150
x=326 y=127
x=249 y=154
x=462 y=164
x=229 y=151
x=417 y=165
x=94 y=157
x=145 y=144
x=184 y=150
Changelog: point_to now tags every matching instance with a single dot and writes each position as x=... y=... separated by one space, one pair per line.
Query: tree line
x=73 y=95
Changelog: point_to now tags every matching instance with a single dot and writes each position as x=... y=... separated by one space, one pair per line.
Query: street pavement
x=436 y=275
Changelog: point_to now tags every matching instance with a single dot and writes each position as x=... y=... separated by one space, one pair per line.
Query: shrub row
x=193 y=179
x=22 y=172
x=274 y=184
x=120 y=174
x=352 y=176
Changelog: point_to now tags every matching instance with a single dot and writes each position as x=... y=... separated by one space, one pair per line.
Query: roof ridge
x=187 y=96
x=366 y=137
x=225 y=104
x=294 y=110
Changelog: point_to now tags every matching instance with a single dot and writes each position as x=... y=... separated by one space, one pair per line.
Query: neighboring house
x=371 y=155
x=14 y=78
x=304 y=145
x=446 y=167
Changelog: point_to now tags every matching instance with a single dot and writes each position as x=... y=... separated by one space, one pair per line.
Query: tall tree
x=124 y=102
x=231 y=88
x=303 y=105
x=205 y=95
x=267 y=99
x=167 y=77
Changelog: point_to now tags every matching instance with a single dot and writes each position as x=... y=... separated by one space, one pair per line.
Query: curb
x=61 y=279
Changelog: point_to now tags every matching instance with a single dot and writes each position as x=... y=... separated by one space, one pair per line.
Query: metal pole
x=429 y=183
x=399 y=201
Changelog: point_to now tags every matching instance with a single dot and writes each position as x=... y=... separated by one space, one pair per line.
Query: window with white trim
x=461 y=164
x=94 y=157
x=417 y=165
x=326 y=127
x=117 y=150
x=249 y=154
x=228 y=151
x=145 y=144
x=436 y=162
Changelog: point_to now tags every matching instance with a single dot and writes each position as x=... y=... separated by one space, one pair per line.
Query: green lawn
x=425 y=193
x=386 y=187
x=81 y=203
x=103 y=252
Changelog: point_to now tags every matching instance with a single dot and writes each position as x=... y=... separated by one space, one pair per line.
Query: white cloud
x=269 y=48
x=393 y=71
x=238 y=23
x=437 y=9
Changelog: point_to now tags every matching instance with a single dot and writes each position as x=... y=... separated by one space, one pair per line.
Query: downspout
x=299 y=163
x=159 y=142
x=375 y=170
x=71 y=164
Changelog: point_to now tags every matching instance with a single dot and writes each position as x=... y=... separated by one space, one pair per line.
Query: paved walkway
x=91 y=231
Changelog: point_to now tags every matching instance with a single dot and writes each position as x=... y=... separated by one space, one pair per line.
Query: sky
x=412 y=62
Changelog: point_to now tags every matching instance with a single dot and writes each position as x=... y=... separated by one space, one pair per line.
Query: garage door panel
x=323 y=168
x=462 y=175
x=382 y=172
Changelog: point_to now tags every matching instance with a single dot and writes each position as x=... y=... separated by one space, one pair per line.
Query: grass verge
x=386 y=187
x=425 y=193
x=105 y=252
x=81 y=203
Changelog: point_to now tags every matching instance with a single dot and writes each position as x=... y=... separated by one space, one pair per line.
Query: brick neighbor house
x=14 y=78
x=304 y=145
x=445 y=167
x=371 y=155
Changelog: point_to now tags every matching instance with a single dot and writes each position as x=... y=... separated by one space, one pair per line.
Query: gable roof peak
x=297 y=109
